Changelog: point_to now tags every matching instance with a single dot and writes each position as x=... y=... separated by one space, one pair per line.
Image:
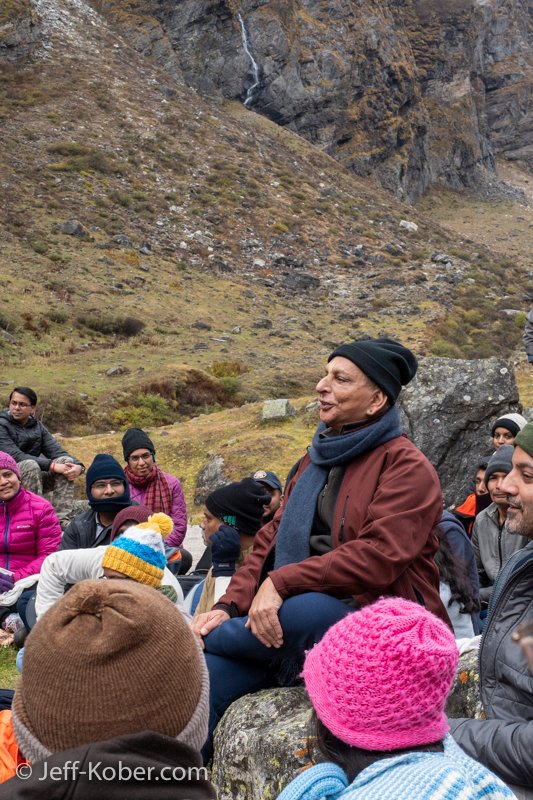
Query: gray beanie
x=500 y=461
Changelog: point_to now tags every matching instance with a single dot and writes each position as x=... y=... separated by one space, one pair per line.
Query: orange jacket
x=10 y=755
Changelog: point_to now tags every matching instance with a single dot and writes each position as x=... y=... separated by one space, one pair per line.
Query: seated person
x=459 y=581
x=29 y=531
x=477 y=500
x=108 y=493
x=232 y=516
x=492 y=545
x=272 y=484
x=505 y=428
x=378 y=682
x=157 y=490
x=113 y=695
x=44 y=465
x=359 y=521
x=147 y=562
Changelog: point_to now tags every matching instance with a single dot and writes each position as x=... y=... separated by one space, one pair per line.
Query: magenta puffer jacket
x=29 y=531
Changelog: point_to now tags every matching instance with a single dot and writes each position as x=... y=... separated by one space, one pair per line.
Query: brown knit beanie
x=110 y=658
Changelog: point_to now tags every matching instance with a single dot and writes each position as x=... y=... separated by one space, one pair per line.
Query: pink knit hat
x=8 y=462
x=379 y=679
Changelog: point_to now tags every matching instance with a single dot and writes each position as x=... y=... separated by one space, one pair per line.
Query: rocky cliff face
x=414 y=91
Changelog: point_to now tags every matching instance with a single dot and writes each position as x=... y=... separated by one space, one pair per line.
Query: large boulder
x=447 y=410
x=262 y=740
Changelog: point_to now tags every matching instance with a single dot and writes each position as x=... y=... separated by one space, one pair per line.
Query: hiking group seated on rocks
x=357 y=566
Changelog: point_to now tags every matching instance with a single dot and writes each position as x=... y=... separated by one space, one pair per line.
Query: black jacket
x=171 y=771
x=81 y=532
x=31 y=441
x=504 y=741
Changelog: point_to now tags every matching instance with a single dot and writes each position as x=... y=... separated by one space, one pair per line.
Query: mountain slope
x=219 y=256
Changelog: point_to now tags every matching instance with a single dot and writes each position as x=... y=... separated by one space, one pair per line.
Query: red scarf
x=158 y=493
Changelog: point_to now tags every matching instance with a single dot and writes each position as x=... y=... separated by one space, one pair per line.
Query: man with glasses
x=108 y=493
x=44 y=465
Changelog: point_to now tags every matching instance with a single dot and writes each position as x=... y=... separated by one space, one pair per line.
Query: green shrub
x=118 y=326
x=228 y=369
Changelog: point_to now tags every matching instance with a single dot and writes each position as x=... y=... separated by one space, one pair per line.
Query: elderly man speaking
x=358 y=521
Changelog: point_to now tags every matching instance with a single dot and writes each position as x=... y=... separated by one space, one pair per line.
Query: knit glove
x=225 y=550
x=7 y=581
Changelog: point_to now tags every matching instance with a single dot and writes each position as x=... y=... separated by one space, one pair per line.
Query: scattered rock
x=8 y=337
x=277 y=409
x=300 y=281
x=409 y=226
x=114 y=371
x=122 y=240
x=145 y=249
x=394 y=248
x=201 y=325
x=263 y=323
x=442 y=258
x=73 y=227
x=211 y=477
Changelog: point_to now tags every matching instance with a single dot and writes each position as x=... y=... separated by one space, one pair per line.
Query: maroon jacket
x=383 y=536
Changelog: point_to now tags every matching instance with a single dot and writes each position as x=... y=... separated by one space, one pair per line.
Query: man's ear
x=378 y=403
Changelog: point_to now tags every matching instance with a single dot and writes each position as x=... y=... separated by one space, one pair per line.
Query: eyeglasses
x=141 y=457
x=115 y=484
x=19 y=405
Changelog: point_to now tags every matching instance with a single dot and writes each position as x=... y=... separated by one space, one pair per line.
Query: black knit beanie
x=387 y=363
x=500 y=461
x=135 y=439
x=105 y=466
x=240 y=504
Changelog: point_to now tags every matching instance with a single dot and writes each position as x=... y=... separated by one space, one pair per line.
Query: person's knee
x=311 y=613
x=29 y=468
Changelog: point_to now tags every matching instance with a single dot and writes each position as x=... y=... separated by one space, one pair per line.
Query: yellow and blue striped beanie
x=140 y=553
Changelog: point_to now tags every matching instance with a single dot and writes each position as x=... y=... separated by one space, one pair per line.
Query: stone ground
x=193 y=542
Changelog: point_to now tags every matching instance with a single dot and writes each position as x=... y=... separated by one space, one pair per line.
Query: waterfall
x=253 y=62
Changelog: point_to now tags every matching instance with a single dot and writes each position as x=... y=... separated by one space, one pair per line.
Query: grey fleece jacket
x=493 y=547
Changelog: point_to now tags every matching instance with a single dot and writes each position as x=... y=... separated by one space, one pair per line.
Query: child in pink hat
x=378 y=682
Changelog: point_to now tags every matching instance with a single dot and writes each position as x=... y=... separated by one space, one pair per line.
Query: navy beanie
x=105 y=466
x=240 y=504
x=500 y=461
x=387 y=363
x=136 y=439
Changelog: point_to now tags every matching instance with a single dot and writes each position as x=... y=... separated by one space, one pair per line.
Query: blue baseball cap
x=268 y=479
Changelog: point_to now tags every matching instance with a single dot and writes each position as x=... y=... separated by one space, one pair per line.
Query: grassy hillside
x=218 y=257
